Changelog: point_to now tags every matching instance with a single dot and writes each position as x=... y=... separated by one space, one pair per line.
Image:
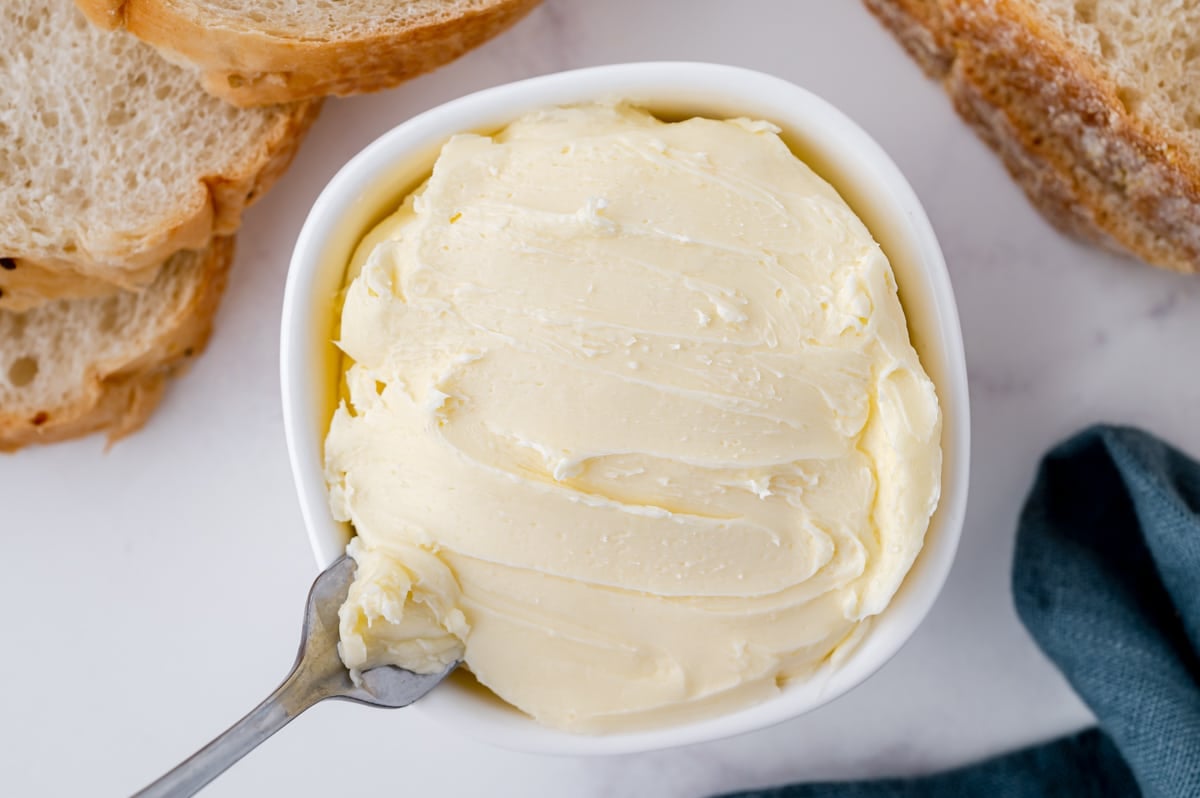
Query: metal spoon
x=318 y=674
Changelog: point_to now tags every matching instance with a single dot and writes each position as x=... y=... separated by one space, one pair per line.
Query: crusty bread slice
x=254 y=52
x=112 y=159
x=71 y=367
x=1094 y=107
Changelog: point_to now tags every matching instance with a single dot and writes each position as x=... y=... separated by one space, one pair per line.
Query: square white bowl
x=374 y=182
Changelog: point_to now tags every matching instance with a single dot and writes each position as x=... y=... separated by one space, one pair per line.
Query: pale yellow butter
x=633 y=423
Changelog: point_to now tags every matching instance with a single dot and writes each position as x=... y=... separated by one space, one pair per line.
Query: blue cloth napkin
x=1107 y=580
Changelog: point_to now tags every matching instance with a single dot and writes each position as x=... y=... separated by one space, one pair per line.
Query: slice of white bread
x=1094 y=105
x=112 y=159
x=254 y=52
x=71 y=367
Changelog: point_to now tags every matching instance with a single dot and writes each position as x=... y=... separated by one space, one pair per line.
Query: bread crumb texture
x=107 y=151
x=1150 y=50
x=75 y=366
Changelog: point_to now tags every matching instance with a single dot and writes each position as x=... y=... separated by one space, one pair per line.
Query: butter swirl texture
x=632 y=422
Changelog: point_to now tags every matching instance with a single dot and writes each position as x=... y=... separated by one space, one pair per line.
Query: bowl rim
x=729 y=86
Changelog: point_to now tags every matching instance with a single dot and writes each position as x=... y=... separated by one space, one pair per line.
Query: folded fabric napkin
x=1107 y=580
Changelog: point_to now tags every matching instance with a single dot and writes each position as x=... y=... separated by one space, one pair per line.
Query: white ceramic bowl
x=373 y=183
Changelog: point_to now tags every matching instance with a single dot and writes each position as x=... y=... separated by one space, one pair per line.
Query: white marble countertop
x=153 y=591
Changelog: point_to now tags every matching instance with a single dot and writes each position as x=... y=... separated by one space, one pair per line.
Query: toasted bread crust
x=248 y=67
x=214 y=209
x=29 y=284
x=120 y=395
x=1092 y=167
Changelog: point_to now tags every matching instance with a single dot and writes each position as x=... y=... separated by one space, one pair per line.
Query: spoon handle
x=299 y=691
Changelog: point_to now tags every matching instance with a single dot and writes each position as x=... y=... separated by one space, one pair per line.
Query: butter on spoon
x=317 y=675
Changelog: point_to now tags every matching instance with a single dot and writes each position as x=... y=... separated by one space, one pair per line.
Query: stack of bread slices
x=130 y=145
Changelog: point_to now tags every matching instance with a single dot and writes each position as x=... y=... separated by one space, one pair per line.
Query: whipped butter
x=631 y=421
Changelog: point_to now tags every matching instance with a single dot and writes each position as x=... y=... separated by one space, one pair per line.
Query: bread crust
x=249 y=67
x=1094 y=168
x=214 y=208
x=118 y=396
x=30 y=284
